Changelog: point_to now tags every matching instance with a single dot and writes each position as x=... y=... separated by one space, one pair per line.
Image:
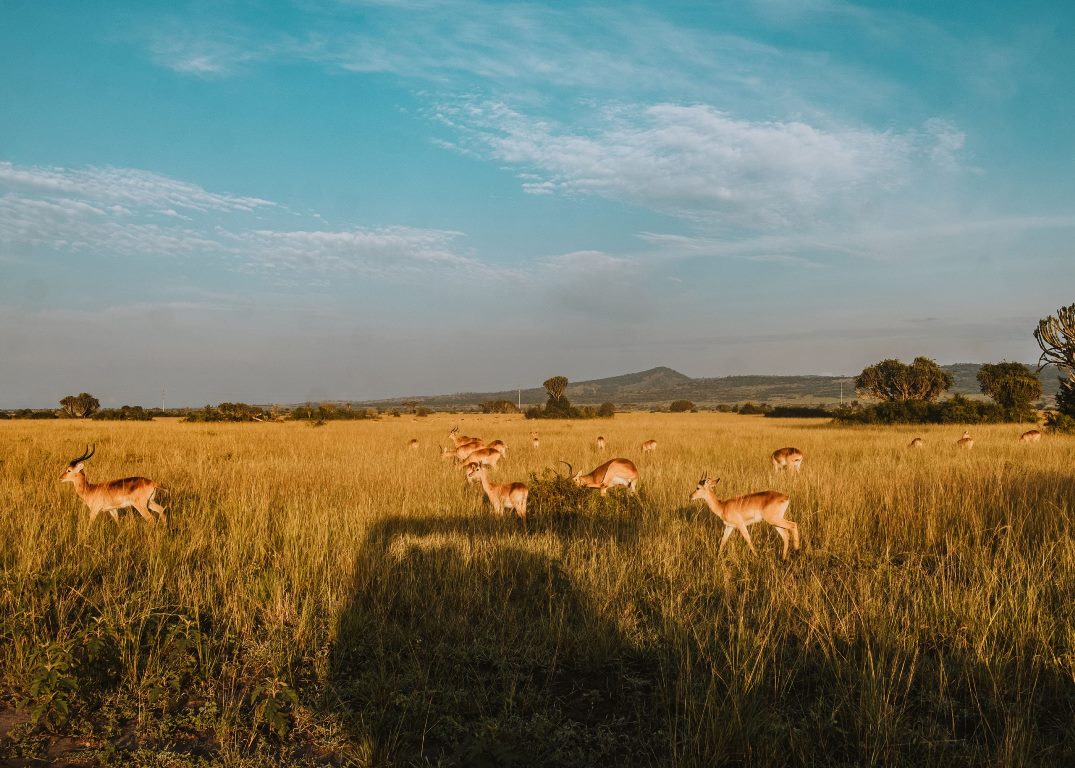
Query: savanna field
x=327 y=596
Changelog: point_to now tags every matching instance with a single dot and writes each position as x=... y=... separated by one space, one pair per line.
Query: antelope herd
x=478 y=458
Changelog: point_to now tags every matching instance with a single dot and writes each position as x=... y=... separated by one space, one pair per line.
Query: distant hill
x=659 y=386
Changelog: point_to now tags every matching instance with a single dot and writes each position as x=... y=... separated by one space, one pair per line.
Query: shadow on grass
x=463 y=646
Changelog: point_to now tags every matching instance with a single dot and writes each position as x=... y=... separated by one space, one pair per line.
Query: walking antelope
x=613 y=472
x=485 y=456
x=461 y=452
x=600 y=443
x=788 y=457
x=534 y=442
x=966 y=441
x=1031 y=436
x=918 y=442
x=413 y=444
x=649 y=445
x=110 y=497
x=743 y=511
x=458 y=440
x=501 y=495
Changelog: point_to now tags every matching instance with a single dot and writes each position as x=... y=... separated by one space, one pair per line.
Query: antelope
x=461 y=452
x=534 y=442
x=413 y=444
x=485 y=456
x=1031 y=436
x=613 y=472
x=458 y=440
x=600 y=443
x=110 y=497
x=499 y=445
x=743 y=511
x=918 y=442
x=966 y=441
x=501 y=495
x=788 y=457
x=649 y=445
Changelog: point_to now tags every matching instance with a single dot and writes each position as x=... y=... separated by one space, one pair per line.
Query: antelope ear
x=81 y=466
x=712 y=483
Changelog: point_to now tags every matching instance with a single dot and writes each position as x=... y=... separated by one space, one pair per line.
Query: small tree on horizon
x=80 y=406
x=555 y=386
x=891 y=380
x=1012 y=385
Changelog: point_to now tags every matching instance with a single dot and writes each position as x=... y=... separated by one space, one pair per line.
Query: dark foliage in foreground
x=956 y=410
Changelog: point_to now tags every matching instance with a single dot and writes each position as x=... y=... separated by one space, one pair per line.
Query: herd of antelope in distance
x=478 y=458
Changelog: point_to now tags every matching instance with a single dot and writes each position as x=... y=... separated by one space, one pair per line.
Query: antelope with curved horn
x=458 y=440
x=966 y=441
x=918 y=442
x=461 y=452
x=137 y=492
x=612 y=473
x=786 y=458
x=649 y=446
x=600 y=443
x=739 y=513
x=1031 y=436
x=501 y=495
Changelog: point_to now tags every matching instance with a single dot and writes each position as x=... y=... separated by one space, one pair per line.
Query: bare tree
x=1055 y=335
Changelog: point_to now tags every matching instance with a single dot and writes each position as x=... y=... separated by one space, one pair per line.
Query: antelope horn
x=570 y=469
x=89 y=452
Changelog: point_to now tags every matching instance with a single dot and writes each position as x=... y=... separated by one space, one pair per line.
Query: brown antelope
x=534 y=442
x=501 y=495
x=413 y=444
x=649 y=445
x=788 y=458
x=743 y=511
x=461 y=452
x=612 y=473
x=966 y=441
x=918 y=442
x=600 y=443
x=499 y=445
x=137 y=492
x=458 y=440
x=485 y=456
x=1031 y=436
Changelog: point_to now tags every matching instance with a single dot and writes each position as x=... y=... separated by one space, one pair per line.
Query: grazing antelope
x=613 y=472
x=458 y=440
x=501 y=495
x=113 y=496
x=918 y=442
x=649 y=445
x=743 y=511
x=485 y=456
x=1031 y=436
x=600 y=443
x=499 y=445
x=413 y=444
x=534 y=442
x=966 y=441
x=788 y=457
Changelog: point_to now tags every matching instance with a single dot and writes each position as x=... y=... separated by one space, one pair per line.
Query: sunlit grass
x=329 y=595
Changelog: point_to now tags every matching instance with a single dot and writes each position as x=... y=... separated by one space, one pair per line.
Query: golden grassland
x=329 y=596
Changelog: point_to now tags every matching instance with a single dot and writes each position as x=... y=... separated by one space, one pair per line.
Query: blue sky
x=309 y=200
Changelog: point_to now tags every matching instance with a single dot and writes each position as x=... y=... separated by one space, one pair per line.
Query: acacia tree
x=80 y=406
x=1012 y=385
x=1055 y=335
x=893 y=380
x=556 y=386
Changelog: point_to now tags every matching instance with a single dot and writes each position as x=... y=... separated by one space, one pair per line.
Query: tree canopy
x=80 y=406
x=892 y=380
x=1011 y=385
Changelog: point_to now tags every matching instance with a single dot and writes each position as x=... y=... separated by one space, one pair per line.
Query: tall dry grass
x=328 y=596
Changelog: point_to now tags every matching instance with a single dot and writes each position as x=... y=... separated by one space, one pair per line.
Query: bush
x=682 y=406
x=798 y=412
x=330 y=412
x=752 y=409
x=1060 y=422
x=606 y=411
x=498 y=406
x=957 y=410
x=235 y=412
x=124 y=413
x=422 y=411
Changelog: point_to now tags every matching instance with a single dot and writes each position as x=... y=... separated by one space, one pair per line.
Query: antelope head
x=76 y=466
x=704 y=486
x=571 y=473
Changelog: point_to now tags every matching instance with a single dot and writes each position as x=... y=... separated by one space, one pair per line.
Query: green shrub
x=798 y=412
x=682 y=406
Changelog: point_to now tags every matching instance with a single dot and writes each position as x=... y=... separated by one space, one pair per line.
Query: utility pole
x=162 y=398
x=520 y=403
x=841 y=391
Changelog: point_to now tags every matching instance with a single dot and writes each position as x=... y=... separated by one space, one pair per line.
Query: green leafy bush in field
x=682 y=406
x=798 y=412
x=955 y=410
x=126 y=413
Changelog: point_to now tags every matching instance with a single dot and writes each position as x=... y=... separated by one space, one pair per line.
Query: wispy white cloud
x=136 y=214
x=703 y=164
